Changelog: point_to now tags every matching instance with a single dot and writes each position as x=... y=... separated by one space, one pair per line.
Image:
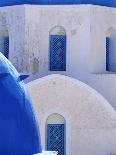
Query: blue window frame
x=56 y=138
x=107 y=53
x=6 y=47
x=57 y=52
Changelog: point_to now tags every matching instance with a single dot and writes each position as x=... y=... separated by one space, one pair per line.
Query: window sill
x=104 y=73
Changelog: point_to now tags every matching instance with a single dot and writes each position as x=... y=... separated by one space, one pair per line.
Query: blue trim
x=109 y=3
x=23 y=77
x=58 y=53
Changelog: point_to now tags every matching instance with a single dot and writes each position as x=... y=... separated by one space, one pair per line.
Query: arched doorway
x=56 y=134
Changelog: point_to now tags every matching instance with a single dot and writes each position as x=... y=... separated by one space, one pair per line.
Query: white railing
x=47 y=153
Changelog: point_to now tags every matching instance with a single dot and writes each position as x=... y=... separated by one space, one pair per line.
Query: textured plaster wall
x=86 y=28
x=41 y=19
x=90 y=120
x=13 y=19
x=103 y=24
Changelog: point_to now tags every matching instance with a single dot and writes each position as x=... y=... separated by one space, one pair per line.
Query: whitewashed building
x=69 y=51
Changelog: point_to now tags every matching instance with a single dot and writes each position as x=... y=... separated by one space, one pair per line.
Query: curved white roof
x=76 y=98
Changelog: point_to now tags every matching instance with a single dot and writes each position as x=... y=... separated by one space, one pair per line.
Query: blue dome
x=109 y=3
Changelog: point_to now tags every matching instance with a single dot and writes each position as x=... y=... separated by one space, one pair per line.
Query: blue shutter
x=6 y=47
x=57 y=52
x=107 y=53
x=55 y=138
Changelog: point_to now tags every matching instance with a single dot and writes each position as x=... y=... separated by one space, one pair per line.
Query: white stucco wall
x=86 y=28
x=13 y=19
x=102 y=25
x=90 y=120
x=41 y=19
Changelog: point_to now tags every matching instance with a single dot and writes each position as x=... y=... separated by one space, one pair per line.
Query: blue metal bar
x=107 y=53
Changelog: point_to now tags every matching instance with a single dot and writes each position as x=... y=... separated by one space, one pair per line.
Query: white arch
x=110 y=31
x=58 y=30
x=71 y=81
x=55 y=119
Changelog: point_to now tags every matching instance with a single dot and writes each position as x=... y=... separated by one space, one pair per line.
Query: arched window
x=58 y=49
x=111 y=50
x=55 y=134
x=4 y=42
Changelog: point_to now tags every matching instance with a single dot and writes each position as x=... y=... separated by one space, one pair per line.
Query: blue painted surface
x=55 y=138
x=110 y=3
x=19 y=132
x=57 y=52
x=107 y=53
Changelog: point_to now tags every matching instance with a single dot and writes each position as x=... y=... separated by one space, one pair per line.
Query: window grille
x=55 y=138
x=6 y=47
x=57 y=52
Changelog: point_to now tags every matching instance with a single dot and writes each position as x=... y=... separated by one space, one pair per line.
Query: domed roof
x=110 y=3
